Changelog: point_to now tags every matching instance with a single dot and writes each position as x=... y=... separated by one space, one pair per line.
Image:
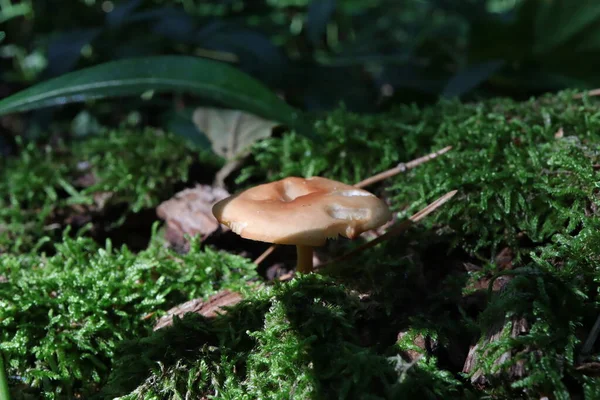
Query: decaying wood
x=426 y=344
x=189 y=212
x=504 y=262
x=208 y=308
x=518 y=326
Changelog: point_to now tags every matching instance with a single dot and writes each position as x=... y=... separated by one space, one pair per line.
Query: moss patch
x=62 y=317
x=505 y=276
x=48 y=187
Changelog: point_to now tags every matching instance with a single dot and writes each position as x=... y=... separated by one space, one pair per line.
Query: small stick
x=402 y=167
x=593 y=92
x=396 y=229
x=265 y=254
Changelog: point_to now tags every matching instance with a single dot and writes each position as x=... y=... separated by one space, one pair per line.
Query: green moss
x=62 y=317
x=517 y=183
x=527 y=178
x=301 y=339
x=137 y=166
x=335 y=335
x=43 y=185
x=28 y=192
x=295 y=338
x=353 y=148
x=507 y=165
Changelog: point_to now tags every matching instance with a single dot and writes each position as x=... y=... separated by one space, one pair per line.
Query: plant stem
x=4 y=392
x=305 y=259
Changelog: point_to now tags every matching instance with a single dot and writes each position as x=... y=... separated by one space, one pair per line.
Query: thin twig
x=265 y=254
x=402 y=167
x=590 y=93
x=395 y=230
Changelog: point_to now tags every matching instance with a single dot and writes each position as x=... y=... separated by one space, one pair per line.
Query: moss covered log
x=496 y=295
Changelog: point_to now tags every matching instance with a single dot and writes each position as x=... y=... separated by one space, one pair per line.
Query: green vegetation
x=47 y=186
x=495 y=295
x=397 y=321
x=506 y=162
x=63 y=316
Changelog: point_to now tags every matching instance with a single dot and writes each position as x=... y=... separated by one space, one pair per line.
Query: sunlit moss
x=132 y=168
x=62 y=317
x=527 y=178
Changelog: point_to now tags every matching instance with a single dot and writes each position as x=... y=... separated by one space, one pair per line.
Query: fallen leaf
x=231 y=132
x=189 y=212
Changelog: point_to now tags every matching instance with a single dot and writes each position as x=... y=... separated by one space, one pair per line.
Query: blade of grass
x=4 y=392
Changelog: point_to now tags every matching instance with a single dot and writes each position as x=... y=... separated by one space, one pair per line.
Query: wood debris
x=209 y=308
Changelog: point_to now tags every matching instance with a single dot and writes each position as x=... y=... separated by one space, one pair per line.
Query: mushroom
x=302 y=212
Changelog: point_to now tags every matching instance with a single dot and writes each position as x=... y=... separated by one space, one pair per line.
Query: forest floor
x=116 y=281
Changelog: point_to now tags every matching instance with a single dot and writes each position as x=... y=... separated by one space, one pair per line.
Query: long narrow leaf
x=209 y=79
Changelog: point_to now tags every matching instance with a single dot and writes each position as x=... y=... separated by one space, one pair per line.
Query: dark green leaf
x=559 y=21
x=210 y=79
x=122 y=12
x=180 y=123
x=65 y=50
x=319 y=14
x=471 y=77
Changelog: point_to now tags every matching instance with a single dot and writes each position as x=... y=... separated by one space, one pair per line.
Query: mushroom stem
x=305 y=259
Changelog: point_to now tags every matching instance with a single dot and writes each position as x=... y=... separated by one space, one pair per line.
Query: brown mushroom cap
x=301 y=211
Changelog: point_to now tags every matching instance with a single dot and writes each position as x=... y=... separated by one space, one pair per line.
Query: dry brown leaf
x=189 y=212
